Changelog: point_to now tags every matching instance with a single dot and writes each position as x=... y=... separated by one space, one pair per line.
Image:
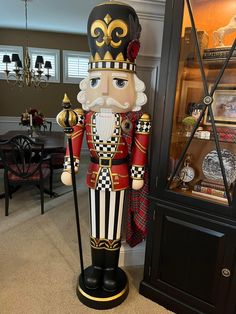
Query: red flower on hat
x=133 y=49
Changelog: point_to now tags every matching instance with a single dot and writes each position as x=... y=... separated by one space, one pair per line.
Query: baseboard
x=132 y=256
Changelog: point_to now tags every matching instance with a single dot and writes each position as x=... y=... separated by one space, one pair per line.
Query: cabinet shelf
x=182 y=138
x=194 y=194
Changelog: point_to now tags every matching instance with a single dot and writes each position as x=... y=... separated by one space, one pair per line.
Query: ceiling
x=67 y=16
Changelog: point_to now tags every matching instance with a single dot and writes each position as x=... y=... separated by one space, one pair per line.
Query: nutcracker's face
x=113 y=91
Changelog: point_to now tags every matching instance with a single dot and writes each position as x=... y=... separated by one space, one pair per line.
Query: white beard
x=105 y=125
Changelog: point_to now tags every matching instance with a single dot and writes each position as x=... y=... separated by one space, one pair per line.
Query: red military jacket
x=116 y=160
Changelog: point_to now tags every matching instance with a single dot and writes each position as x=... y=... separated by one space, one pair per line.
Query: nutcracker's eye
x=94 y=82
x=119 y=82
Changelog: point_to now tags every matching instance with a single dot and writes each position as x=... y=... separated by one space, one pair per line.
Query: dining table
x=53 y=141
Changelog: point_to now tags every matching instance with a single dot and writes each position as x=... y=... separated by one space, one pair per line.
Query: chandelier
x=23 y=74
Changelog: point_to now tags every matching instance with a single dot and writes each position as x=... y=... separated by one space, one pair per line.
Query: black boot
x=93 y=278
x=110 y=271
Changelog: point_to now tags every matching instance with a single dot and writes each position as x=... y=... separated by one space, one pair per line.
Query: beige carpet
x=39 y=261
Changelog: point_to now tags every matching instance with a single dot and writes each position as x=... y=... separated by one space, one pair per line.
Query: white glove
x=66 y=178
x=137 y=184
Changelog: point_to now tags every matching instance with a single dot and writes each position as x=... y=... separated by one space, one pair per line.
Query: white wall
x=151 y=17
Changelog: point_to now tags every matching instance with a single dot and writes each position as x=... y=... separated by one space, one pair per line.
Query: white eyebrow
x=119 y=74
x=95 y=74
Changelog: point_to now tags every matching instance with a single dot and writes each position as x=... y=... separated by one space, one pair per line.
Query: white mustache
x=107 y=101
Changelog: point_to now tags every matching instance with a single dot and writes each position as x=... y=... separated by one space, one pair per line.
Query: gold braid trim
x=77 y=133
x=140 y=146
x=106 y=244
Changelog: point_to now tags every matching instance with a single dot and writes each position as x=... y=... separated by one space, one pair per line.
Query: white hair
x=141 y=98
x=81 y=97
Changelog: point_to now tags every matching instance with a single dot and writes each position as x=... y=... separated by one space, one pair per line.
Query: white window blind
x=52 y=55
x=8 y=50
x=46 y=57
x=75 y=66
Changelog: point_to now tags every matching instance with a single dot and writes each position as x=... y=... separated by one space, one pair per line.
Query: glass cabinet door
x=202 y=152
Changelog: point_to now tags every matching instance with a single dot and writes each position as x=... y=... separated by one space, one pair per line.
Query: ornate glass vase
x=35 y=131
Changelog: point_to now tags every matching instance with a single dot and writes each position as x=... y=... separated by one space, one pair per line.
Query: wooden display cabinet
x=190 y=264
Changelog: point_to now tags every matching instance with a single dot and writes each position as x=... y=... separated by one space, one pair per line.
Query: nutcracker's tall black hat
x=113 y=35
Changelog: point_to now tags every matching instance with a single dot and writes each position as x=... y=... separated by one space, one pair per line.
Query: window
x=52 y=55
x=8 y=50
x=75 y=66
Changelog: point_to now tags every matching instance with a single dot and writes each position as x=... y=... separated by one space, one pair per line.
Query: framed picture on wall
x=191 y=93
x=223 y=106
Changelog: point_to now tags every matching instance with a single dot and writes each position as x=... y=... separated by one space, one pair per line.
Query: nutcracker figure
x=117 y=135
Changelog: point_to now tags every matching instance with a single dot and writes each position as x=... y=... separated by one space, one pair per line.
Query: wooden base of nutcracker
x=100 y=299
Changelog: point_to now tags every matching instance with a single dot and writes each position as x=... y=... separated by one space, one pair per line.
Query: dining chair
x=57 y=159
x=9 y=157
x=47 y=126
x=26 y=166
x=2 y=195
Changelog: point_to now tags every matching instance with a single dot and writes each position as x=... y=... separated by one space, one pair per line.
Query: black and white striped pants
x=106 y=209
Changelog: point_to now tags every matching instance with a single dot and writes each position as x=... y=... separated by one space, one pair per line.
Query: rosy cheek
x=130 y=97
x=92 y=93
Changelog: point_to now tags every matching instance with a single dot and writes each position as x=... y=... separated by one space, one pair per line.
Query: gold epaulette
x=79 y=111
x=145 y=117
x=80 y=115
